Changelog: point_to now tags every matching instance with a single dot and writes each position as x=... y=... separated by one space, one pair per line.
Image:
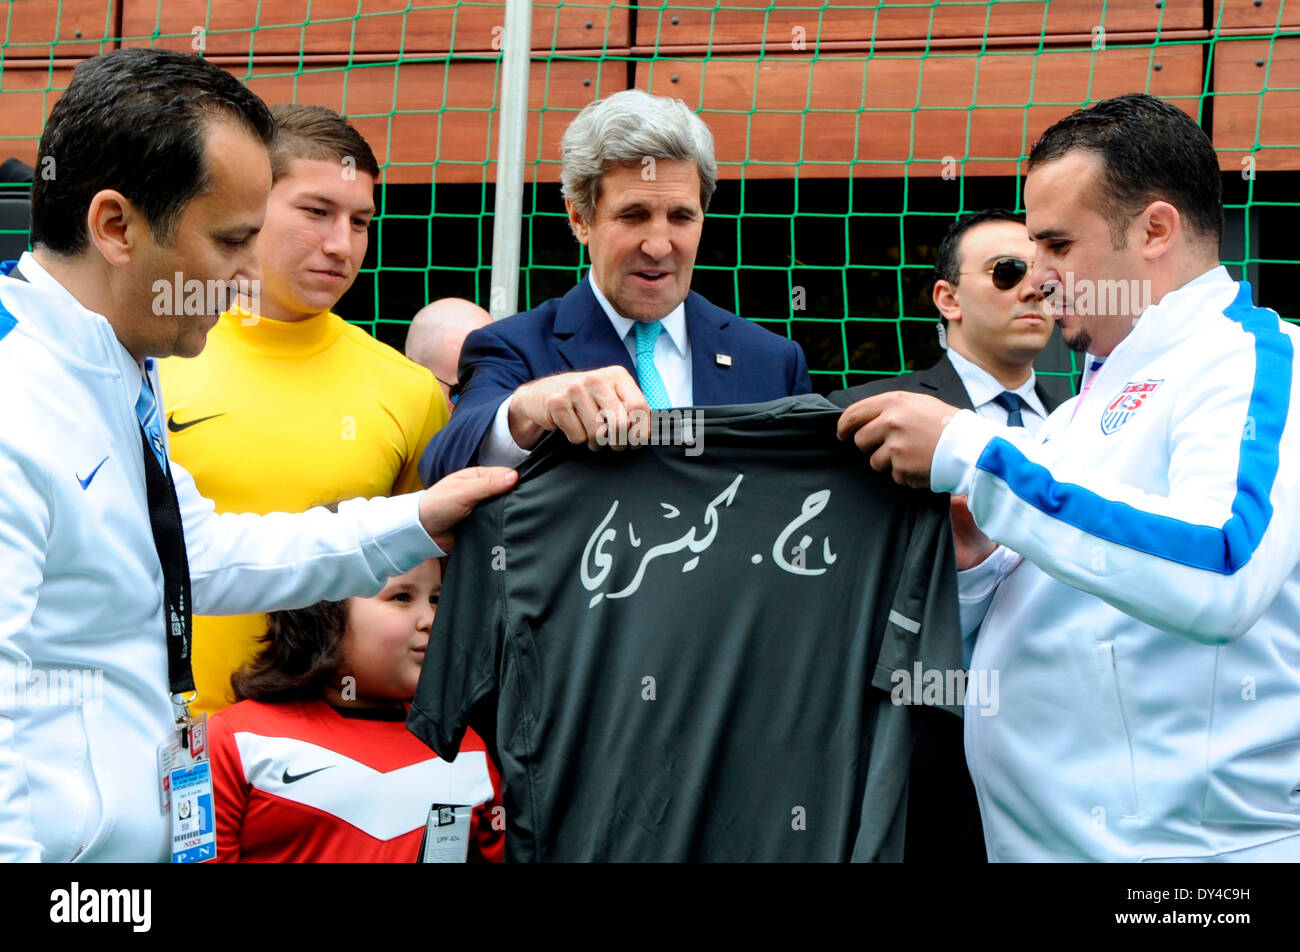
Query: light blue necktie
x=146 y=410
x=1011 y=403
x=652 y=385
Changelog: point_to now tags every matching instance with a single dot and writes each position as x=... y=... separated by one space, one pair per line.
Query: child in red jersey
x=314 y=762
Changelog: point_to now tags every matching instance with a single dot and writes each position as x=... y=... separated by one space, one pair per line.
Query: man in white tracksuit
x=1143 y=610
x=162 y=170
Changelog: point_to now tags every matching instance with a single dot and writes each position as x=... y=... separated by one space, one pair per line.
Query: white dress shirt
x=982 y=388
x=672 y=360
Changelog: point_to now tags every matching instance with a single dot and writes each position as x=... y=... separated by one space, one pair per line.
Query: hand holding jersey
x=899 y=431
x=972 y=545
x=587 y=406
x=454 y=497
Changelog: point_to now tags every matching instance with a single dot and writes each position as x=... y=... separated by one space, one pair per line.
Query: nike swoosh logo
x=85 y=483
x=292 y=778
x=177 y=427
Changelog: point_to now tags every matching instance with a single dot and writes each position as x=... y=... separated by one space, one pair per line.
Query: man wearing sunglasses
x=996 y=323
x=1142 y=608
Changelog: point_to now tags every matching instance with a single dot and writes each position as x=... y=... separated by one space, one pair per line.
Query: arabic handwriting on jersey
x=597 y=563
x=812 y=507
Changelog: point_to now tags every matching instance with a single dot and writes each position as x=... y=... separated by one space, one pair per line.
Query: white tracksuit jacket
x=81 y=584
x=1148 y=643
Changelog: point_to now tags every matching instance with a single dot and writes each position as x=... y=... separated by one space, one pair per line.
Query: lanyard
x=169 y=540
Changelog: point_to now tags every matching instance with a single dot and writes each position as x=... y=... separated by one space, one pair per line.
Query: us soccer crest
x=1127 y=403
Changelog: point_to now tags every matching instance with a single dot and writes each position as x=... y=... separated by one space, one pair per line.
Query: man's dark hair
x=314 y=132
x=947 y=263
x=1150 y=151
x=134 y=120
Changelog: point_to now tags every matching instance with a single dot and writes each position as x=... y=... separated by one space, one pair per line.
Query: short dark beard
x=1081 y=341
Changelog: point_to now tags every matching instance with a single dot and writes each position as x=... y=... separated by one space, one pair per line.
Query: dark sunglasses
x=454 y=389
x=1007 y=272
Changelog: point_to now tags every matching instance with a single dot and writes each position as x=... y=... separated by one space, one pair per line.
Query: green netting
x=835 y=124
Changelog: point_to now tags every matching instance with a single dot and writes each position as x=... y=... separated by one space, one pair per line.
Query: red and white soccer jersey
x=300 y=782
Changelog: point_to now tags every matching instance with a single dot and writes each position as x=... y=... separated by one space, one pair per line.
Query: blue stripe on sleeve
x=1203 y=547
x=7 y=321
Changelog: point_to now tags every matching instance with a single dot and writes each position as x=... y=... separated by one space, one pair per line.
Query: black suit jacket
x=940 y=381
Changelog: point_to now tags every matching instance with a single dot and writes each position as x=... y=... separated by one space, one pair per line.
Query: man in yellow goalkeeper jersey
x=289 y=406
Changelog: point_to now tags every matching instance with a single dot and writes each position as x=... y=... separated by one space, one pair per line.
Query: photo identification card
x=194 y=822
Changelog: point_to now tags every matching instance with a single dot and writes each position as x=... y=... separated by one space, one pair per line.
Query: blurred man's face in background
x=995 y=326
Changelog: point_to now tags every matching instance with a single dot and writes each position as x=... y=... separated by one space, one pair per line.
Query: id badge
x=446 y=834
x=194 y=822
x=172 y=755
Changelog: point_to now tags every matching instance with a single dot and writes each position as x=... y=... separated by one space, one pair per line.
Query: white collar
x=982 y=386
x=1216 y=275
x=1161 y=325
x=674 y=323
x=1173 y=300
x=50 y=311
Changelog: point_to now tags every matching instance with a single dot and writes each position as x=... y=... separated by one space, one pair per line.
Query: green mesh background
x=830 y=151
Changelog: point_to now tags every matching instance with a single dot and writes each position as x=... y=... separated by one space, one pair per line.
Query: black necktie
x=169 y=539
x=1011 y=403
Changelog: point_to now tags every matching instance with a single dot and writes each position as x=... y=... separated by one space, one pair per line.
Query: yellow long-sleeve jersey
x=278 y=416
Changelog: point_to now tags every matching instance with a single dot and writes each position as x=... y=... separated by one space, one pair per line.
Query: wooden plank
x=360 y=26
x=896 y=115
x=417 y=116
x=1256 y=103
x=1267 y=16
x=439 y=123
x=791 y=22
x=38 y=29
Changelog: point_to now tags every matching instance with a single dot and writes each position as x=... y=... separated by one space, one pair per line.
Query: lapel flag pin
x=724 y=360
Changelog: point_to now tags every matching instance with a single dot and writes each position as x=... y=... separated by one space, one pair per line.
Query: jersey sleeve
x=460 y=663
x=434 y=419
x=229 y=788
x=1204 y=559
x=242 y=563
x=923 y=628
x=924 y=618
x=488 y=838
x=24 y=529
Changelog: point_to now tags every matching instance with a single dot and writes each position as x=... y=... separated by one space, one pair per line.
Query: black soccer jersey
x=689 y=651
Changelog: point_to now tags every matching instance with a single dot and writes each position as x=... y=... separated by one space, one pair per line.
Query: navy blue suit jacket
x=574 y=333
